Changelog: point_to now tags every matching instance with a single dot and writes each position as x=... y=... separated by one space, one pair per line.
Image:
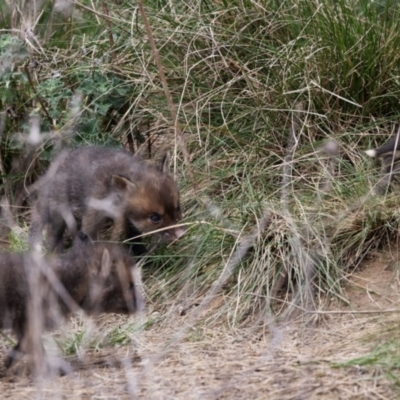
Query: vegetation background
x=275 y=102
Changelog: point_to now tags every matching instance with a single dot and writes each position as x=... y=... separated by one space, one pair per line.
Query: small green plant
x=71 y=345
x=18 y=240
x=115 y=335
x=385 y=359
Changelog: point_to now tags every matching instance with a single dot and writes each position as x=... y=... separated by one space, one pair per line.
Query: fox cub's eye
x=155 y=218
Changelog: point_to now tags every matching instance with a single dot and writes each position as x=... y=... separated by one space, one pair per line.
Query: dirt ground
x=289 y=361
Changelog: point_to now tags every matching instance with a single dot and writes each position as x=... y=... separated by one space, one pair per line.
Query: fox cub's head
x=114 y=280
x=152 y=200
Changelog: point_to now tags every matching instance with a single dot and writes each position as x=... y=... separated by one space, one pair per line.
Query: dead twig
x=171 y=105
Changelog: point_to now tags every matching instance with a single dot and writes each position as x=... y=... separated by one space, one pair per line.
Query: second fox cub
x=36 y=291
x=389 y=153
x=89 y=187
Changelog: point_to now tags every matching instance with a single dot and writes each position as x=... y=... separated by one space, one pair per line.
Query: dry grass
x=287 y=360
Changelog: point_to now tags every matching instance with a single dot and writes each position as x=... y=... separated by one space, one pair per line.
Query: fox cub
x=97 y=278
x=92 y=188
x=389 y=153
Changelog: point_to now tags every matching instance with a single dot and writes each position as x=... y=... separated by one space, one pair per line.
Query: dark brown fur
x=97 y=278
x=89 y=187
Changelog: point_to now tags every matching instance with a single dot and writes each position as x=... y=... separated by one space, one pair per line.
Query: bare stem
x=171 y=105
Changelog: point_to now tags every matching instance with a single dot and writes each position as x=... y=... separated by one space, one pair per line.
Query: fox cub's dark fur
x=89 y=187
x=98 y=278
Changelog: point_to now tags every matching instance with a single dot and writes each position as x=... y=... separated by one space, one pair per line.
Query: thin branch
x=171 y=105
x=110 y=36
x=7 y=187
x=41 y=101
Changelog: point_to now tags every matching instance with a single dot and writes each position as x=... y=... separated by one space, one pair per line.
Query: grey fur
x=97 y=278
x=89 y=187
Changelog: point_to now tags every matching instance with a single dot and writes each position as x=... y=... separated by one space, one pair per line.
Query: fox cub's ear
x=165 y=163
x=122 y=183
